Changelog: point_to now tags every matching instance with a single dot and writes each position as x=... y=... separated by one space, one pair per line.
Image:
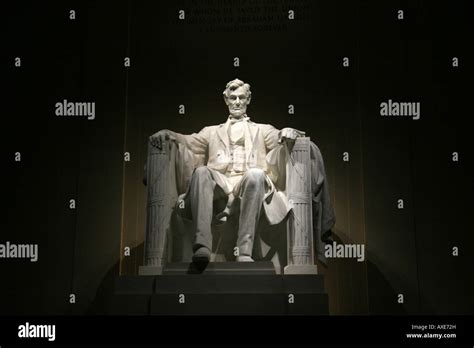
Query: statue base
x=221 y=268
x=300 y=269
x=230 y=288
x=150 y=270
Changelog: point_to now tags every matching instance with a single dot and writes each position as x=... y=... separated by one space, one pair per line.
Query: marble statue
x=242 y=167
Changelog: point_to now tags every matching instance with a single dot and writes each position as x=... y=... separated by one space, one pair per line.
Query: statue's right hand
x=159 y=138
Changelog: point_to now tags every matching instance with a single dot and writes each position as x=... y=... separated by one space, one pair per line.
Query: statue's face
x=237 y=102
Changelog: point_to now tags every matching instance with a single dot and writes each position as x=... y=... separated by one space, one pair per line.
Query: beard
x=237 y=113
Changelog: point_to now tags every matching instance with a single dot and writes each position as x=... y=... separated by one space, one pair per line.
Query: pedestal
x=227 y=288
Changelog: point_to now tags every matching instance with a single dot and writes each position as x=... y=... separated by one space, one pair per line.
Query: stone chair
x=168 y=237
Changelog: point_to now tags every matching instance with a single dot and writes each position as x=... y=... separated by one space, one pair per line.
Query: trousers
x=205 y=195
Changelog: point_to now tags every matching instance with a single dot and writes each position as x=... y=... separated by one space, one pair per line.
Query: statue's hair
x=233 y=85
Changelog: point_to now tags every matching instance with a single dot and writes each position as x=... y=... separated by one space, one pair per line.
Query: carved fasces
x=161 y=196
x=298 y=189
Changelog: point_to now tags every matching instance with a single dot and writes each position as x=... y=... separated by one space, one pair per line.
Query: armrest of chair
x=162 y=193
x=299 y=194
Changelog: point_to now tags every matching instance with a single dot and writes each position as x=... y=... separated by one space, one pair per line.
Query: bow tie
x=233 y=120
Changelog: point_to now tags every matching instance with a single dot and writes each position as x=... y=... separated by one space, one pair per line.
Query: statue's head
x=237 y=96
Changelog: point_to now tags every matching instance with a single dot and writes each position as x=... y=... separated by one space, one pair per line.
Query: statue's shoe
x=244 y=258
x=202 y=255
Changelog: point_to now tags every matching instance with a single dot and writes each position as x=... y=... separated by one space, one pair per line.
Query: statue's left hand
x=290 y=134
x=227 y=212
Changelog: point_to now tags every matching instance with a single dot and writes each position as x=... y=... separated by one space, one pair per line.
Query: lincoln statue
x=242 y=175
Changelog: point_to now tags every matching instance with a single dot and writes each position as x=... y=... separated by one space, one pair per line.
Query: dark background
x=296 y=62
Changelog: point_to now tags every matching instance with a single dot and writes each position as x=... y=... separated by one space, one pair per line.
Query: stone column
x=299 y=226
x=160 y=178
